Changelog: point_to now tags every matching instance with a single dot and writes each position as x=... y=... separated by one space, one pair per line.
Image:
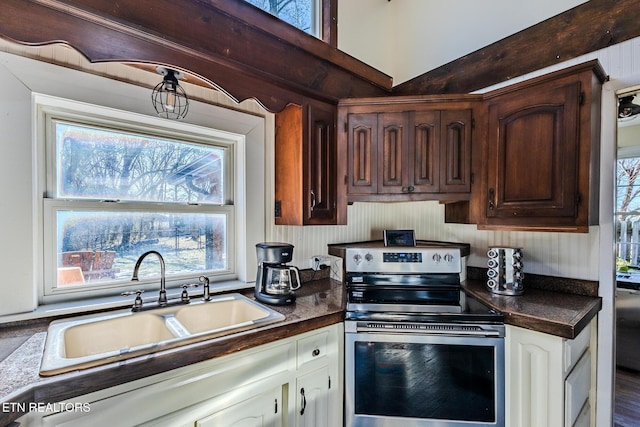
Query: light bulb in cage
x=169 y=98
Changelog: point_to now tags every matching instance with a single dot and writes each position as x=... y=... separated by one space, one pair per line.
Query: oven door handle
x=429 y=329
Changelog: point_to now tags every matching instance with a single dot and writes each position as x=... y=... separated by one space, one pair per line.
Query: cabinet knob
x=315 y=352
x=411 y=189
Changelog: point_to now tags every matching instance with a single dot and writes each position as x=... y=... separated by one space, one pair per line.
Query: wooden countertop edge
x=565 y=329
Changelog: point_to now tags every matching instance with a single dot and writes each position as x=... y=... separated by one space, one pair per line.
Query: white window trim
x=27 y=81
x=77 y=111
x=51 y=293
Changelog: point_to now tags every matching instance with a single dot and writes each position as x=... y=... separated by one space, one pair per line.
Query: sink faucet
x=162 y=299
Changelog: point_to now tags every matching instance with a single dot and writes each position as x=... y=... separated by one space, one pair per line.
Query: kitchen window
x=316 y=17
x=115 y=188
x=302 y=14
x=628 y=212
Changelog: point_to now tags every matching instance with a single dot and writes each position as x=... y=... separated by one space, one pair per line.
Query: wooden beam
x=591 y=26
x=202 y=38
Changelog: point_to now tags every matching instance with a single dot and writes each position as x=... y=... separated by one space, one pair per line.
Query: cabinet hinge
x=581 y=98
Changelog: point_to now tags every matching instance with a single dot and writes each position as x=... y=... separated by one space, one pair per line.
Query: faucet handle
x=137 y=303
x=206 y=295
x=185 y=295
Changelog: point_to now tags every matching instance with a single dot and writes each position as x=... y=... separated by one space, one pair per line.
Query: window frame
x=316 y=19
x=326 y=21
x=624 y=153
x=47 y=112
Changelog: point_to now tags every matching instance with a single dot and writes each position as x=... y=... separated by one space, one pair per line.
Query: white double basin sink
x=94 y=340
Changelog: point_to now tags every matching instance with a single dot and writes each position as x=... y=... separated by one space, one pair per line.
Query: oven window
x=436 y=381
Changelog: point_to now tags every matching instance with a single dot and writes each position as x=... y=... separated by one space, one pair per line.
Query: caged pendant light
x=168 y=97
x=626 y=107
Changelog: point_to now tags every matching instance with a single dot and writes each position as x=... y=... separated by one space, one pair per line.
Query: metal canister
x=505 y=270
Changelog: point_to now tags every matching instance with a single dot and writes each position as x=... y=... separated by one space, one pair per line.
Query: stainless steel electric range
x=419 y=351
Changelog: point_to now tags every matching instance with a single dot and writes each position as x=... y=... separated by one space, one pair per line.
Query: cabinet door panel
x=392 y=150
x=320 y=176
x=533 y=149
x=362 y=155
x=313 y=395
x=306 y=165
x=261 y=411
x=456 y=151
x=424 y=151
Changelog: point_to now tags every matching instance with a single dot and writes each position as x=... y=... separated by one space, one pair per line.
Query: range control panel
x=403 y=260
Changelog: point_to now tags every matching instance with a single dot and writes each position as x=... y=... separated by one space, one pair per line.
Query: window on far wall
x=116 y=189
x=302 y=14
x=628 y=212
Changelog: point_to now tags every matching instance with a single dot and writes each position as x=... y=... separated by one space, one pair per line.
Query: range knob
x=436 y=258
x=368 y=257
x=357 y=258
x=448 y=258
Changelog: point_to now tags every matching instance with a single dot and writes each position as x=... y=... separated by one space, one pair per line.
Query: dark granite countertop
x=557 y=313
x=319 y=303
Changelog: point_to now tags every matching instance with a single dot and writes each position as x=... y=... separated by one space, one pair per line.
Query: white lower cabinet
x=263 y=410
x=312 y=407
x=550 y=381
x=258 y=387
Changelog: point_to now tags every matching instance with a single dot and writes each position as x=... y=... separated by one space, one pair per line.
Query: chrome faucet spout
x=162 y=299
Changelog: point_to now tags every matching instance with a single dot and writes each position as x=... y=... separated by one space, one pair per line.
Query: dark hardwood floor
x=627 y=398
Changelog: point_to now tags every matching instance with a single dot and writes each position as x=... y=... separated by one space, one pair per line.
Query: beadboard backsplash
x=572 y=255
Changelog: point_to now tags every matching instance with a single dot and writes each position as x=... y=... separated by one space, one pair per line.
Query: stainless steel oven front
x=419 y=352
x=424 y=374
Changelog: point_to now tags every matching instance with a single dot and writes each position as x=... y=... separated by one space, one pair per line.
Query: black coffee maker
x=274 y=281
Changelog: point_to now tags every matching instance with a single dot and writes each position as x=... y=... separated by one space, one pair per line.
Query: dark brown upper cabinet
x=305 y=165
x=541 y=154
x=406 y=148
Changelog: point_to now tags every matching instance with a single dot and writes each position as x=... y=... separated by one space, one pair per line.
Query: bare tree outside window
x=628 y=212
x=106 y=167
x=299 y=13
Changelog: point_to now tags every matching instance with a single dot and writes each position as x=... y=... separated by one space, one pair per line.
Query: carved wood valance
x=202 y=38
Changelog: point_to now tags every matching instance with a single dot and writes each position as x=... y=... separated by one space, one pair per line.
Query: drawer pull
x=315 y=352
x=303 y=402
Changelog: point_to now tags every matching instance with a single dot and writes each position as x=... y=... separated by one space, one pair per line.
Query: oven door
x=424 y=379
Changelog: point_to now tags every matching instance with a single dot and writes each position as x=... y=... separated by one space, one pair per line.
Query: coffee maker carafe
x=275 y=280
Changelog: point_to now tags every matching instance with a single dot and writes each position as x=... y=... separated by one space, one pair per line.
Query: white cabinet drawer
x=313 y=348
x=577 y=387
x=573 y=349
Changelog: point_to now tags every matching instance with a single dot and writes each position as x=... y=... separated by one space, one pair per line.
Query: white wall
x=406 y=38
x=16 y=181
